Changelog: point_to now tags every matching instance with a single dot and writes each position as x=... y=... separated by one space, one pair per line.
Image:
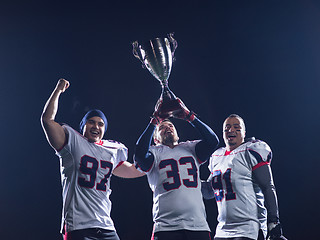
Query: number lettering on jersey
x=174 y=173
x=193 y=171
x=102 y=186
x=217 y=185
x=89 y=166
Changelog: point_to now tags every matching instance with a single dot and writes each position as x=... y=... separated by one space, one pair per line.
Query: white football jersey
x=175 y=182
x=85 y=170
x=239 y=199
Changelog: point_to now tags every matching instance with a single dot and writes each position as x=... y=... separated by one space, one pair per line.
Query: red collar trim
x=99 y=143
x=227 y=152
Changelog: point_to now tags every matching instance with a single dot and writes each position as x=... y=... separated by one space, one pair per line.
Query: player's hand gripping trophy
x=157 y=56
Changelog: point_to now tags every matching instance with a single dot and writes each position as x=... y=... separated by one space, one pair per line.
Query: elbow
x=138 y=157
x=45 y=122
x=214 y=143
x=144 y=162
x=216 y=140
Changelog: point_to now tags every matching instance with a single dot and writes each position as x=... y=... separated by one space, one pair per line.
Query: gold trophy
x=157 y=56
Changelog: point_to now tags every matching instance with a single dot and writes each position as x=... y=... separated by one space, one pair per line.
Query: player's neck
x=231 y=148
x=170 y=144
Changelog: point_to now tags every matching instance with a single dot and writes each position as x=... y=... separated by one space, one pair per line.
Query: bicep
x=263 y=176
x=55 y=134
x=127 y=170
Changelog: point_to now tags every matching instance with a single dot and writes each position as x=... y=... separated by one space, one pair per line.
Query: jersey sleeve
x=119 y=149
x=66 y=152
x=154 y=150
x=259 y=153
x=122 y=154
x=71 y=138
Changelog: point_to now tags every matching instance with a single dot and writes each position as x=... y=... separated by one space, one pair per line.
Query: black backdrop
x=255 y=58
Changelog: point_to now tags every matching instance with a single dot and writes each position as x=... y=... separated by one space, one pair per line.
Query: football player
x=172 y=168
x=242 y=184
x=86 y=165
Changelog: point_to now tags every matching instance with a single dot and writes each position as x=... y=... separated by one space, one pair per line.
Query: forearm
x=54 y=132
x=142 y=155
x=263 y=176
x=207 y=190
x=51 y=107
x=271 y=204
x=127 y=170
x=209 y=140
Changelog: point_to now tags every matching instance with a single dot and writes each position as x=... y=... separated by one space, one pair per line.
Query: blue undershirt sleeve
x=263 y=177
x=209 y=140
x=142 y=156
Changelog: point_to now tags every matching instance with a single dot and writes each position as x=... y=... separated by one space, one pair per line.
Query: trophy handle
x=137 y=54
x=174 y=45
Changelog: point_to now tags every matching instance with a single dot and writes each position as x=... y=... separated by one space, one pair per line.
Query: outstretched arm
x=127 y=170
x=143 y=157
x=209 y=140
x=53 y=130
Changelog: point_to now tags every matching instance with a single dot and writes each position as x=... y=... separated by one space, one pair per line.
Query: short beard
x=231 y=143
x=169 y=140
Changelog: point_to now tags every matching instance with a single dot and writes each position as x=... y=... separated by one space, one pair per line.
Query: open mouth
x=168 y=132
x=231 y=137
x=94 y=132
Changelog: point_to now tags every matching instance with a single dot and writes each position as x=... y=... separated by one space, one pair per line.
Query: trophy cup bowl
x=157 y=56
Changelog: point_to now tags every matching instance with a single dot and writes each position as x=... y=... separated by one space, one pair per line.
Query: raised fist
x=62 y=85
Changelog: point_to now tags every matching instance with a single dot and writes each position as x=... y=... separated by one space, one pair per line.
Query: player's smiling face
x=94 y=129
x=167 y=134
x=233 y=132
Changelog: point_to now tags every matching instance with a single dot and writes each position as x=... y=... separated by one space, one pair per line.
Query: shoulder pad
x=113 y=143
x=257 y=144
x=261 y=148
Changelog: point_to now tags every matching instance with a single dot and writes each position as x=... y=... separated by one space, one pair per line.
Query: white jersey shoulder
x=257 y=146
x=219 y=151
x=161 y=152
x=71 y=132
x=121 y=149
x=113 y=144
x=259 y=149
x=187 y=144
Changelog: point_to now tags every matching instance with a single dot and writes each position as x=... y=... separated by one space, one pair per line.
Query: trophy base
x=169 y=108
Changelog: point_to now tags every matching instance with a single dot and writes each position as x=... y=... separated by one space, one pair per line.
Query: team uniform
x=86 y=169
x=175 y=182
x=239 y=199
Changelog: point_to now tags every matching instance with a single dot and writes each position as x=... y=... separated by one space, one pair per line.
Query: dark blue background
x=259 y=59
